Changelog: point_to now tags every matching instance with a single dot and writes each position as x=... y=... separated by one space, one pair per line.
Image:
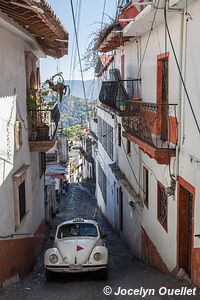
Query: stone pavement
x=124 y=271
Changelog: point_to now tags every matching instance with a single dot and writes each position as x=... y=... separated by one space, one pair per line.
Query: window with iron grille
x=110 y=141
x=162 y=212
x=119 y=135
x=102 y=182
x=105 y=135
x=100 y=129
x=22 y=200
x=19 y=189
x=128 y=147
x=146 y=186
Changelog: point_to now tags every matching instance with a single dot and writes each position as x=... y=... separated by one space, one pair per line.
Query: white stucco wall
x=190 y=143
x=189 y=158
x=13 y=77
x=108 y=207
x=132 y=225
x=103 y=158
x=165 y=242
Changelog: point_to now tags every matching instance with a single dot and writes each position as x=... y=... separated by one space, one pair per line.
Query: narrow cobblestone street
x=123 y=271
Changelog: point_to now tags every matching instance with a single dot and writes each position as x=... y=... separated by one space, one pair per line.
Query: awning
x=55 y=175
x=55 y=171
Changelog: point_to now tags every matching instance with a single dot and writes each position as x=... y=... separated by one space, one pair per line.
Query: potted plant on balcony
x=38 y=129
x=40 y=133
x=31 y=100
x=57 y=84
x=121 y=104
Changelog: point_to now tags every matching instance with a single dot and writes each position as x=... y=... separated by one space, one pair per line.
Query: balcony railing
x=117 y=93
x=154 y=124
x=43 y=125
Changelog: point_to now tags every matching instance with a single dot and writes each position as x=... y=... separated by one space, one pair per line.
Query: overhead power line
x=148 y=39
x=73 y=55
x=180 y=73
x=79 y=56
x=103 y=13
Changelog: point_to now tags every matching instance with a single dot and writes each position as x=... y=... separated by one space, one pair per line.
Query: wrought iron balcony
x=43 y=125
x=116 y=93
x=151 y=124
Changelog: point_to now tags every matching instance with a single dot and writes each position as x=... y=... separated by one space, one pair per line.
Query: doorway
x=120 y=210
x=185 y=226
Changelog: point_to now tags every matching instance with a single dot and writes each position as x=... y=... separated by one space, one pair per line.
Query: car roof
x=79 y=220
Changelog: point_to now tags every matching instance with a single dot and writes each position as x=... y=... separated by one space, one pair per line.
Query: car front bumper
x=74 y=269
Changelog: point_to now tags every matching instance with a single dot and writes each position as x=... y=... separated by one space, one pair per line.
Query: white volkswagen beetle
x=78 y=247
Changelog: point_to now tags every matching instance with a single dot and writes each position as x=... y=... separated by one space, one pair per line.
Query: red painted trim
x=161 y=156
x=150 y=255
x=128 y=13
x=190 y=188
x=160 y=57
x=18 y=255
x=163 y=56
x=164 y=224
x=172 y=126
x=186 y=185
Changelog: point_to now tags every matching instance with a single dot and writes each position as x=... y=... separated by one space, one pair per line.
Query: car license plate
x=75 y=267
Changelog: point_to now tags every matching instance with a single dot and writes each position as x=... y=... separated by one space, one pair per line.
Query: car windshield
x=77 y=229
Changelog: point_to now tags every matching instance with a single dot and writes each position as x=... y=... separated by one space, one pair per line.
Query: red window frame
x=162 y=124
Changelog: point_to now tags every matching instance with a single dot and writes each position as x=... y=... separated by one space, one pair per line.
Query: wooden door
x=185 y=229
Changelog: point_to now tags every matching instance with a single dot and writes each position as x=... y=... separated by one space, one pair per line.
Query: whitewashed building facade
x=22 y=207
x=148 y=114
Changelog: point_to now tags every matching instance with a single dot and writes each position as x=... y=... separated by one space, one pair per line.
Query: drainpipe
x=182 y=60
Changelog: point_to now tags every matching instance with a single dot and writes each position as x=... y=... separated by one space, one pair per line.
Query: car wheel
x=49 y=275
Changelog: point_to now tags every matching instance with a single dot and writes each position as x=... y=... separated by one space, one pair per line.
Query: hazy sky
x=90 y=20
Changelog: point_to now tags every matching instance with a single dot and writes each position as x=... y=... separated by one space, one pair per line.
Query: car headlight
x=97 y=256
x=53 y=258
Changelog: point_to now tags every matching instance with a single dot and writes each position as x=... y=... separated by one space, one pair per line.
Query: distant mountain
x=74 y=110
x=77 y=89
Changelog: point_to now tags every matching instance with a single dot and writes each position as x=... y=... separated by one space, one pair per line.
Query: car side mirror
x=104 y=236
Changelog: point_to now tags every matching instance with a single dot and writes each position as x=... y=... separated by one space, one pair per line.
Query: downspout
x=184 y=62
x=139 y=95
x=181 y=97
